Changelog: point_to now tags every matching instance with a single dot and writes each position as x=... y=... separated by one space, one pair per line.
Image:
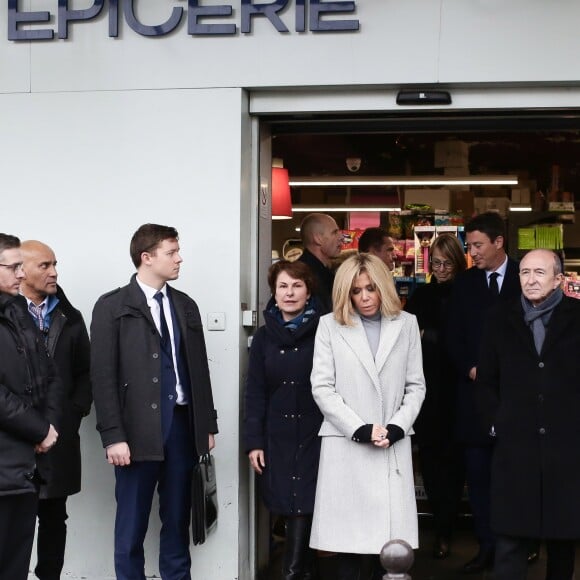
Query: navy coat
x=281 y=416
x=468 y=310
x=533 y=402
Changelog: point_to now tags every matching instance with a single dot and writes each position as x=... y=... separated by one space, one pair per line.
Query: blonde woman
x=367 y=379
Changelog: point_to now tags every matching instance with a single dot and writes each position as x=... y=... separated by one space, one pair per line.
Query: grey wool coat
x=365 y=495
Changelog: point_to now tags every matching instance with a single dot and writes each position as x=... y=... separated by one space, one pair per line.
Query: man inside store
x=322 y=241
x=67 y=342
x=527 y=383
x=492 y=279
x=154 y=402
x=30 y=402
x=377 y=242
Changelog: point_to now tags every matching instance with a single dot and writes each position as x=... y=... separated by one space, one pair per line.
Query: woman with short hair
x=282 y=419
x=367 y=379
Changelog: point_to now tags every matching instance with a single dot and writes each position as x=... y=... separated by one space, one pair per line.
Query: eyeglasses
x=441 y=264
x=13 y=267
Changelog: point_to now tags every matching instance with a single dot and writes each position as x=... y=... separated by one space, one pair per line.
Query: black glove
x=363 y=434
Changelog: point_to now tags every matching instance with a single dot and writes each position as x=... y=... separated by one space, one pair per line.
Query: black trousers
x=444 y=477
x=51 y=540
x=17 y=523
x=511 y=558
x=478 y=476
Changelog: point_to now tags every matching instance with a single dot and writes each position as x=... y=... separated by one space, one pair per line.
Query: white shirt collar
x=149 y=291
x=501 y=270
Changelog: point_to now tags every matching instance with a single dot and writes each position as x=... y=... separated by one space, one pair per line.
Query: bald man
x=322 y=241
x=527 y=383
x=67 y=342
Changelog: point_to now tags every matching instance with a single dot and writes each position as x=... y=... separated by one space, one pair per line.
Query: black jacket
x=281 y=416
x=324 y=280
x=126 y=371
x=68 y=344
x=533 y=402
x=430 y=304
x=30 y=398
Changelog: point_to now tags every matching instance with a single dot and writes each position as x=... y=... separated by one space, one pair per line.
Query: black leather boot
x=298 y=557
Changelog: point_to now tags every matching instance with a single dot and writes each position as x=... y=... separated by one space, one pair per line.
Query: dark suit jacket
x=126 y=371
x=470 y=303
x=533 y=401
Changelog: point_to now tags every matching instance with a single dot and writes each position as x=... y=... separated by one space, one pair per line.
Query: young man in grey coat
x=154 y=402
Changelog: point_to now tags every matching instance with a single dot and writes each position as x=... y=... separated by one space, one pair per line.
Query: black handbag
x=204 y=506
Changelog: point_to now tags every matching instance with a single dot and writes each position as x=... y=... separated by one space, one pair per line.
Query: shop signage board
x=284 y=15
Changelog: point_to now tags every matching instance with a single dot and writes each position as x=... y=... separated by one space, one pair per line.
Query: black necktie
x=493 y=285
x=165 y=337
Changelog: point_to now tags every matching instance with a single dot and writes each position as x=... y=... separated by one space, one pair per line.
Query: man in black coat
x=527 y=379
x=322 y=241
x=67 y=342
x=30 y=399
x=493 y=278
x=154 y=402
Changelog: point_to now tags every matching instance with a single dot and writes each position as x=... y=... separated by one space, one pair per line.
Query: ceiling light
x=516 y=207
x=403 y=180
x=342 y=208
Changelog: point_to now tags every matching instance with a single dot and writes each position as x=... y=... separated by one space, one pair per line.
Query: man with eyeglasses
x=67 y=341
x=492 y=279
x=30 y=394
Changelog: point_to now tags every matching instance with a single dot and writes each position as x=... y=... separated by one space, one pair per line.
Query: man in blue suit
x=154 y=403
x=493 y=278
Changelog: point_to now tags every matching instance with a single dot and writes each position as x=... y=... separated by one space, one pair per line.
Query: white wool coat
x=365 y=495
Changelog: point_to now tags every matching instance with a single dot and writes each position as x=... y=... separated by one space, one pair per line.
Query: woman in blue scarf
x=282 y=420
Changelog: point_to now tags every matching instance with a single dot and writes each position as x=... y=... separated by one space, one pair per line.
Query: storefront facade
x=113 y=114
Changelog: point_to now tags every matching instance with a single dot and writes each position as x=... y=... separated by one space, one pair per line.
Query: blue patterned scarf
x=303 y=318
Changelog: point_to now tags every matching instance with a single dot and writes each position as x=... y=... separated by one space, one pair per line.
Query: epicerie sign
x=301 y=15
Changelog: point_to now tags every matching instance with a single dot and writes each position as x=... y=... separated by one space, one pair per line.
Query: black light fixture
x=426 y=97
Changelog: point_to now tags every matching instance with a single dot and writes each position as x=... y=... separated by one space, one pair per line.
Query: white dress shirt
x=156 y=314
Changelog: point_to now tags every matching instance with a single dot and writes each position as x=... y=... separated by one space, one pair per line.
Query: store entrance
x=335 y=164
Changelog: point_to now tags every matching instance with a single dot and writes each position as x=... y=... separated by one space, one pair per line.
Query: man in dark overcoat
x=67 y=342
x=30 y=402
x=154 y=402
x=527 y=380
x=322 y=241
x=493 y=278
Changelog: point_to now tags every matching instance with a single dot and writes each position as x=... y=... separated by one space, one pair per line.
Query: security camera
x=353 y=164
